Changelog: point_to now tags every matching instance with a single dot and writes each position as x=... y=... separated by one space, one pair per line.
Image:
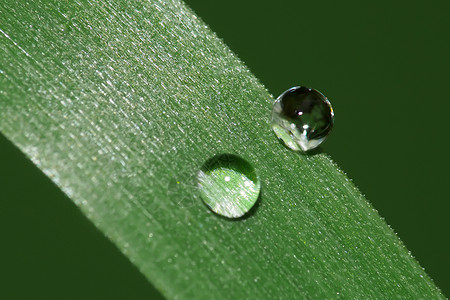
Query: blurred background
x=385 y=67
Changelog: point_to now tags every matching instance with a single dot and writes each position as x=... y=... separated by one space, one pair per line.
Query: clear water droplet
x=302 y=118
x=228 y=185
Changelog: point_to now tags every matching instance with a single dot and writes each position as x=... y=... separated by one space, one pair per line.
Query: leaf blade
x=113 y=101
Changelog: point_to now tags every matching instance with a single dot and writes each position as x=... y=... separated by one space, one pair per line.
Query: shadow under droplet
x=313 y=152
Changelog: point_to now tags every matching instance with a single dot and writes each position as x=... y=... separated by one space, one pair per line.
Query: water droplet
x=302 y=118
x=228 y=185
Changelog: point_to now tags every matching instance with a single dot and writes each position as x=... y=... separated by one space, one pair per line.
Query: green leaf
x=117 y=101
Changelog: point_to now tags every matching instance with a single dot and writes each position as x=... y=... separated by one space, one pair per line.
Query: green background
x=385 y=68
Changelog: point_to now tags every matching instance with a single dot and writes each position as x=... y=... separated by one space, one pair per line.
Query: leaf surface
x=120 y=104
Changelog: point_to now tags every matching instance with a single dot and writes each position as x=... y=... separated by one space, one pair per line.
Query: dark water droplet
x=302 y=118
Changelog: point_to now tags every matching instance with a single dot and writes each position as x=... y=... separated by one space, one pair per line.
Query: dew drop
x=302 y=118
x=228 y=185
